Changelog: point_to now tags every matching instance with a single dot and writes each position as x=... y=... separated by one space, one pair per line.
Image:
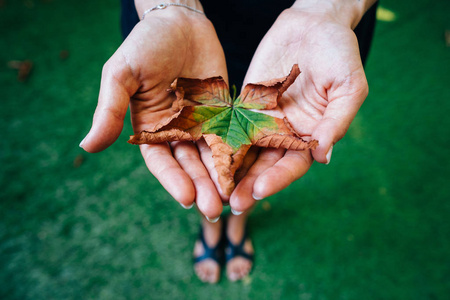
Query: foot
x=239 y=266
x=208 y=269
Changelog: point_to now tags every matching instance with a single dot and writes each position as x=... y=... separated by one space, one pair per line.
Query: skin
x=138 y=75
x=320 y=104
x=173 y=43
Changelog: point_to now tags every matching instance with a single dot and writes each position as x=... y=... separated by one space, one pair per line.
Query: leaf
x=205 y=109
x=23 y=68
x=447 y=37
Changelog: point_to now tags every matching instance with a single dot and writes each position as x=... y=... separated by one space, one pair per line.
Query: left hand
x=320 y=104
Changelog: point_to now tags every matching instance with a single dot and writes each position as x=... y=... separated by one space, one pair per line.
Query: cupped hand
x=320 y=104
x=168 y=44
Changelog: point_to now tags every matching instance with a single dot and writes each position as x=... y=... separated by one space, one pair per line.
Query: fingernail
x=187 y=206
x=214 y=220
x=82 y=142
x=257 y=198
x=235 y=212
x=328 y=156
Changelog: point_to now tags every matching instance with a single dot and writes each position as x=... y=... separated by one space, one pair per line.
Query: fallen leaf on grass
x=64 y=54
x=205 y=109
x=78 y=161
x=386 y=15
x=23 y=68
x=447 y=37
x=266 y=206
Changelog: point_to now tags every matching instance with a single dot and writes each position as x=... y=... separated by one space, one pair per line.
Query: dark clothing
x=364 y=31
x=242 y=24
x=128 y=17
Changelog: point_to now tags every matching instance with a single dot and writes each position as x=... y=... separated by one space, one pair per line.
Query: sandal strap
x=213 y=253
x=232 y=251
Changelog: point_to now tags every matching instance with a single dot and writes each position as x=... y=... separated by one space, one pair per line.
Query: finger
x=336 y=120
x=288 y=169
x=117 y=86
x=243 y=197
x=206 y=196
x=161 y=163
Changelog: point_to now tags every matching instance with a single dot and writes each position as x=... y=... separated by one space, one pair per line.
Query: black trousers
x=241 y=25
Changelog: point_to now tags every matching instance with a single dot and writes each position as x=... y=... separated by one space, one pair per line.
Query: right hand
x=174 y=42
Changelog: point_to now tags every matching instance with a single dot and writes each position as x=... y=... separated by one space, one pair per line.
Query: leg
x=208 y=269
x=238 y=267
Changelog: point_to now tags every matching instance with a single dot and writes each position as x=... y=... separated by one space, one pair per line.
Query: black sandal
x=214 y=253
x=232 y=251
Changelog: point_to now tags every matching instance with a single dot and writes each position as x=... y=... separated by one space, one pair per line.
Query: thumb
x=116 y=88
x=336 y=120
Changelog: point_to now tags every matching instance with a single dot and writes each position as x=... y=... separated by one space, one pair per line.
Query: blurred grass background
x=374 y=224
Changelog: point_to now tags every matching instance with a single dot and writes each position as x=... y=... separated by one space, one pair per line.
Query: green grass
x=374 y=224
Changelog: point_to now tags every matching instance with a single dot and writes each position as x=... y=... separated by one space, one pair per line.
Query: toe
x=207 y=275
x=233 y=276
x=207 y=271
x=245 y=268
x=232 y=270
x=238 y=268
x=201 y=274
x=214 y=276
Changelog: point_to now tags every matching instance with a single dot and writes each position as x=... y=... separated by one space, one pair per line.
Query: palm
x=331 y=68
x=180 y=51
x=138 y=75
x=321 y=104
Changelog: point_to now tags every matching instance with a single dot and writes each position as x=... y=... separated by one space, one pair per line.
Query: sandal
x=232 y=251
x=214 y=253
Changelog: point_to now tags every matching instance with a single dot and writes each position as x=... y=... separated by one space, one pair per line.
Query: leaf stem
x=233 y=87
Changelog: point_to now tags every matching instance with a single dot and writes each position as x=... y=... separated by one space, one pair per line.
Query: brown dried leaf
x=160 y=137
x=204 y=108
x=447 y=37
x=265 y=95
x=23 y=68
x=63 y=54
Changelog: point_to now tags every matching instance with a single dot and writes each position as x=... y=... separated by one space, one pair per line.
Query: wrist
x=143 y=5
x=345 y=12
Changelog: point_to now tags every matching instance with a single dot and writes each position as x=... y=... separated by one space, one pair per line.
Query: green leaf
x=205 y=109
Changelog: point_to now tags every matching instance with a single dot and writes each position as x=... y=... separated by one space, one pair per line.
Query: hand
x=174 y=42
x=320 y=104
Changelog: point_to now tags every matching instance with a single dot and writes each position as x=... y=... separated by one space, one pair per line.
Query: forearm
x=143 y=5
x=347 y=12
